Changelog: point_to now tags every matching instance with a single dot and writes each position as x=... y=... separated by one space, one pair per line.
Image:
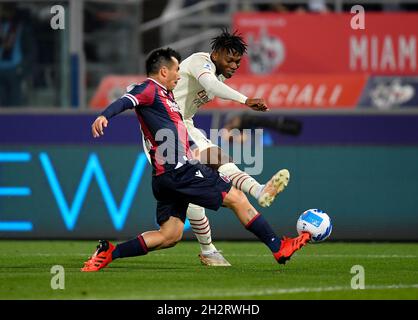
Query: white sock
x=241 y=180
x=201 y=227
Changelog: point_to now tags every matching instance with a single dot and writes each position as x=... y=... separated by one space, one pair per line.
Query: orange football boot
x=101 y=257
x=289 y=246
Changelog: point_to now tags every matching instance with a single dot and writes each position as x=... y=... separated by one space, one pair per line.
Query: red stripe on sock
x=251 y=188
x=198 y=224
x=196 y=219
x=252 y=220
x=234 y=174
x=142 y=243
x=239 y=176
x=206 y=244
x=200 y=228
x=244 y=175
x=243 y=182
x=202 y=232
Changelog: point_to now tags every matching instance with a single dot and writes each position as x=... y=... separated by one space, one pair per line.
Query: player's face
x=226 y=62
x=173 y=75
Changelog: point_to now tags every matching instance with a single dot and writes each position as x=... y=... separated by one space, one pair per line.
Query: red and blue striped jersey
x=161 y=124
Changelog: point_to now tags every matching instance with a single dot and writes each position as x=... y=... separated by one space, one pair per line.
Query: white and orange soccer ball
x=317 y=223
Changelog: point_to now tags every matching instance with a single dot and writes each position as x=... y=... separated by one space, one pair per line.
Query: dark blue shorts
x=192 y=183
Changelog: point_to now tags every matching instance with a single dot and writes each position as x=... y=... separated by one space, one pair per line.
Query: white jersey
x=189 y=93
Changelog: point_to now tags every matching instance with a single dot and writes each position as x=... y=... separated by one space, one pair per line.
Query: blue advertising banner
x=57 y=182
x=318 y=129
x=80 y=192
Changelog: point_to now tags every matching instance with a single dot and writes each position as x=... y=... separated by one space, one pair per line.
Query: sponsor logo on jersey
x=207 y=66
x=202 y=98
x=174 y=107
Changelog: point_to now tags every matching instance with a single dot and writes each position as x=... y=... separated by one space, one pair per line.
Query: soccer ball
x=316 y=222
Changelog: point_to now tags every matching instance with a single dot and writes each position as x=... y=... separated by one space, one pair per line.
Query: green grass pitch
x=320 y=271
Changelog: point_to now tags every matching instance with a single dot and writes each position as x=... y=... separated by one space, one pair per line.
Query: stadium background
x=354 y=91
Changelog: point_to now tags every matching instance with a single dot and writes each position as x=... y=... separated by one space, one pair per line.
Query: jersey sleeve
x=116 y=107
x=219 y=89
x=200 y=65
x=141 y=95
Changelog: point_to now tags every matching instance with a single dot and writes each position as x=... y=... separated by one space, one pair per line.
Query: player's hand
x=98 y=125
x=256 y=104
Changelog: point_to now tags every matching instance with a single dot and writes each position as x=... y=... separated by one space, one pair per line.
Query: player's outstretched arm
x=112 y=110
x=256 y=104
x=219 y=89
x=98 y=126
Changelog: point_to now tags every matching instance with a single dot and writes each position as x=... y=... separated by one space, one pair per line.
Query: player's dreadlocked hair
x=231 y=42
x=160 y=57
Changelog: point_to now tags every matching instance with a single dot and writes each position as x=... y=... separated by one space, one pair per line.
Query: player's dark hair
x=159 y=58
x=231 y=42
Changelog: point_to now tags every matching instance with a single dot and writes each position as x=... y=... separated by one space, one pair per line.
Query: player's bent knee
x=177 y=237
x=174 y=238
x=171 y=242
x=172 y=232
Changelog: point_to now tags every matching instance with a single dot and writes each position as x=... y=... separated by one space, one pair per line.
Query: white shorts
x=197 y=137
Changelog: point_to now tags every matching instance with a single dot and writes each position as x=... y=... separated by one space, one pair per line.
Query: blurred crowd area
x=19 y=52
x=35 y=60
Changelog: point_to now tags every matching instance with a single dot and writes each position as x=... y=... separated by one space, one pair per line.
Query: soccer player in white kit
x=201 y=79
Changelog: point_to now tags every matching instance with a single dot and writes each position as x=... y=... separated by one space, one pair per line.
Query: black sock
x=261 y=228
x=130 y=248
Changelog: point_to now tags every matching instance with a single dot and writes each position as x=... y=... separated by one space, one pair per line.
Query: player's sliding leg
x=265 y=194
x=199 y=222
x=169 y=234
x=254 y=222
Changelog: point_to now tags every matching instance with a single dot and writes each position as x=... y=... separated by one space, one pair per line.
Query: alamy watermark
x=358 y=280
x=57 y=21
x=58 y=278
x=358 y=21
x=246 y=152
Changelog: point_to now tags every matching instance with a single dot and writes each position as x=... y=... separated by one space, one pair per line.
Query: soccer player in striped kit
x=178 y=179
